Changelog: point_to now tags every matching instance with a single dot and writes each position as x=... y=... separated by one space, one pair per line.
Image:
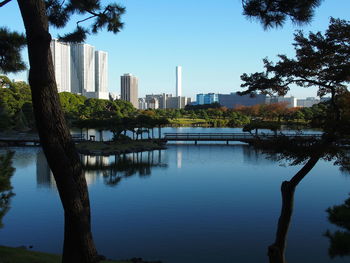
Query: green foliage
x=13 y=98
x=238 y=120
x=11 y=44
x=70 y=102
x=6 y=172
x=273 y=13
x=339 y=240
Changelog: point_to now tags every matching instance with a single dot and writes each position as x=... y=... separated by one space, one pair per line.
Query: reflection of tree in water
x=6 y=172
x=125 y=166
x=339 y=240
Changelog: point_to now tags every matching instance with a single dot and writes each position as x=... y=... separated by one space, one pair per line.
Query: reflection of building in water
x=92 y=175
x=95 y=160
x=44 y=177
x=179 y=157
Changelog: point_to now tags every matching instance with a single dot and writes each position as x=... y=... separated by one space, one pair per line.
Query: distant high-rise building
x=80 y=70
x=83 y=69
x=62 y=65
x=178 y=81
x=129 y=89
x=101 y=74
x=207 y=98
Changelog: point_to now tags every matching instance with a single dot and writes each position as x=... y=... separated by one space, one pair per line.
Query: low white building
x=290 y=101
x=142 y=104
x=308 y=102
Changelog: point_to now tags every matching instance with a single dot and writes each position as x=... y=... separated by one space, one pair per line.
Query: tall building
x=62 y=65
x=129 y=89
x=83 y=69
x=80 y=70
x=178 y=81
x=101 y=74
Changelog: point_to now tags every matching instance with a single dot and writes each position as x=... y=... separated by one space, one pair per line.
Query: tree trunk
x=55 y=137
x=276 y=251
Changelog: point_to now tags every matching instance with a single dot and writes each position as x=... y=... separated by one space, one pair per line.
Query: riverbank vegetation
x=119 y=116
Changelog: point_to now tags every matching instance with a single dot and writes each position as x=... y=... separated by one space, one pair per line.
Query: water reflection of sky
x=197 y=204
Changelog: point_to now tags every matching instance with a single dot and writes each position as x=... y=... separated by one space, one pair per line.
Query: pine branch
x=4 y=2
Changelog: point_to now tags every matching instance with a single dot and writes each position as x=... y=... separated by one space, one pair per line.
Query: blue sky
x=211 y=40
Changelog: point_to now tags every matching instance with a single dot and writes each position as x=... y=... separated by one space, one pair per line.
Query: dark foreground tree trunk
x=276 y=251
x=55 y=137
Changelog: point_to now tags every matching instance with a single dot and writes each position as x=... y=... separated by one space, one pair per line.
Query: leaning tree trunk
x=276 y=251
x=55 y=137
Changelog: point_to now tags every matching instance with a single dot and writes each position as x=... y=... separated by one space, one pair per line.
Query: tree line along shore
x=16 y=113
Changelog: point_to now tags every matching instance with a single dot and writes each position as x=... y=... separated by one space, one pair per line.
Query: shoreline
x=108 y=148
x=23 y=254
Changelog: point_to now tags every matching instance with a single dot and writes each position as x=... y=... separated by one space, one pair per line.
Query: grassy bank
x=22 y=255
x=118 y=147
x=188 y=122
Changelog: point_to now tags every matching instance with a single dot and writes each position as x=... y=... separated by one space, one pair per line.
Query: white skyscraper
x=101 y=71
x=129 y=89
x=83 y=69
x=61 y=61
x=80 y=70
x=178 y=81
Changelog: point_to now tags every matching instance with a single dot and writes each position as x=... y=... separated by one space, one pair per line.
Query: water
x=107 y=135
x=186 y=204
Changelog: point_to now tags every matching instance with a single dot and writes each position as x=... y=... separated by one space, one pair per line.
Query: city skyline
x=213 y=52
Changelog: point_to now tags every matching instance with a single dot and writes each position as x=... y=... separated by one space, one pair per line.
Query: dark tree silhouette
x=297 y=152
x=11 y=43
x=54 y=134
x=322 y=61
x=340 y=239
x=274 y=13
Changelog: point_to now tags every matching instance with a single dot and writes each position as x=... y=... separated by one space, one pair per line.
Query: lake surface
x=185 y=204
